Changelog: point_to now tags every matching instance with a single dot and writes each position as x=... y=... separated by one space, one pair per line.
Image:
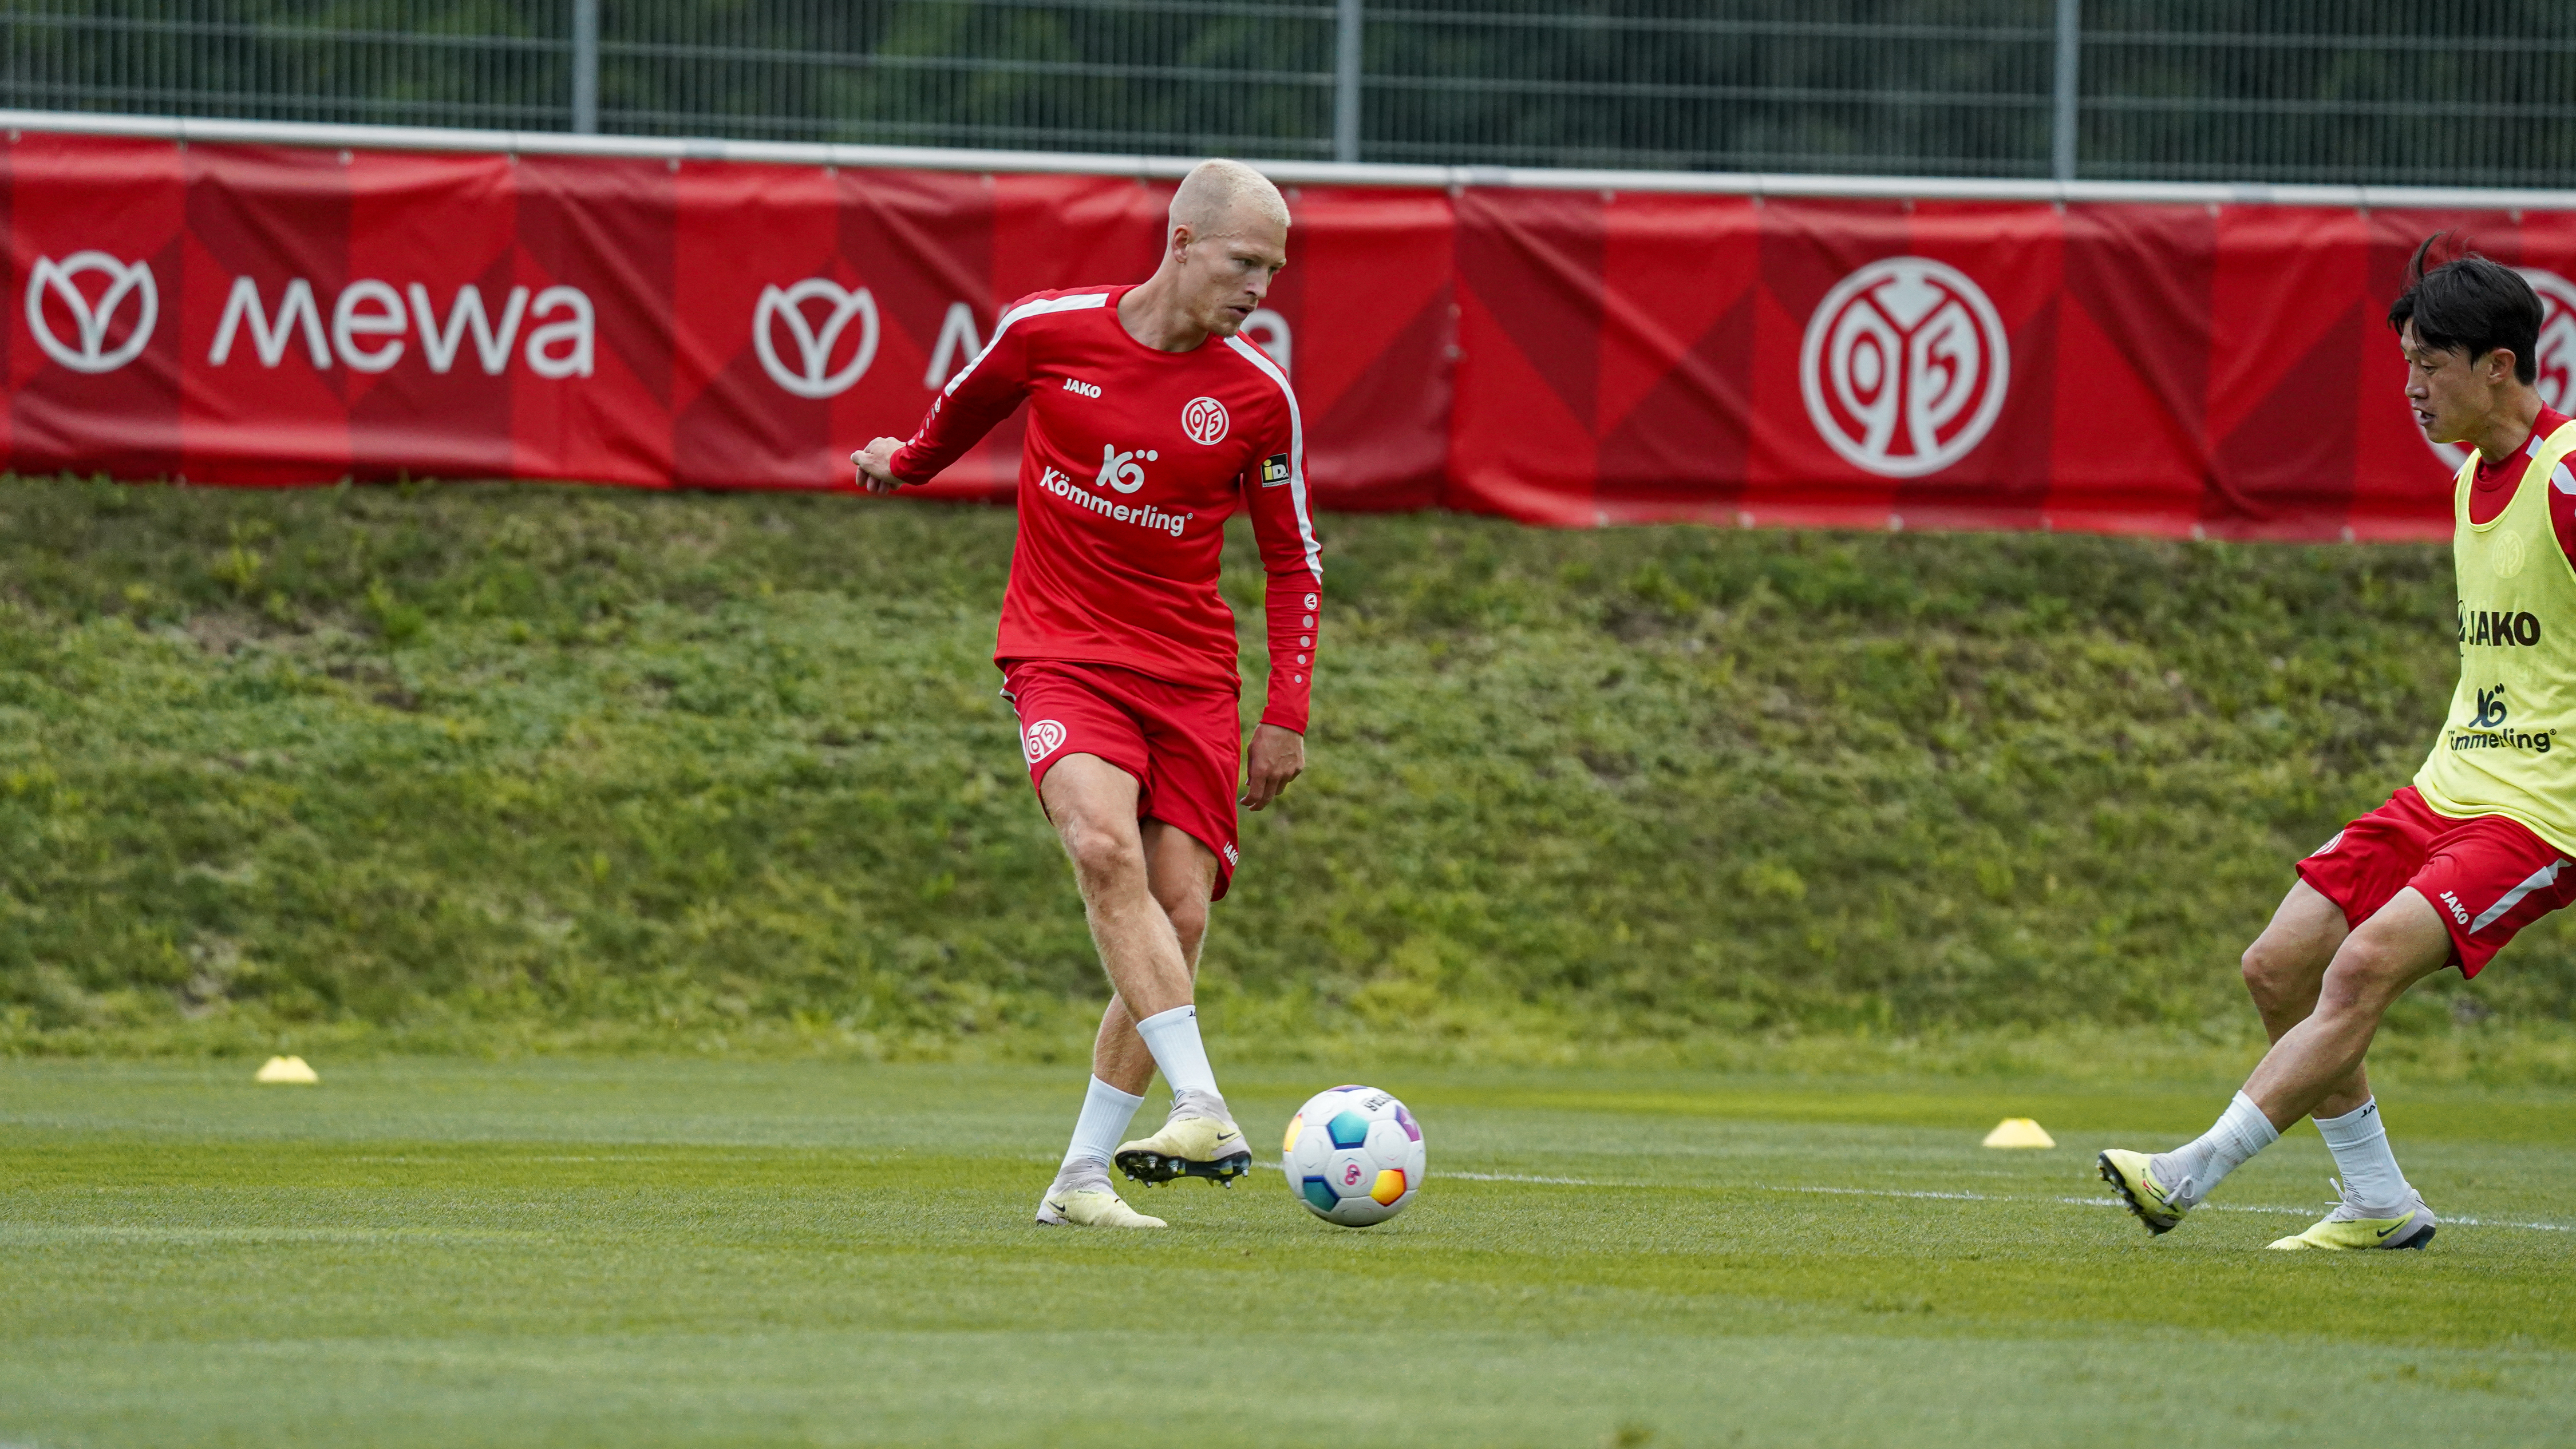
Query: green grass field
x=648 y=1252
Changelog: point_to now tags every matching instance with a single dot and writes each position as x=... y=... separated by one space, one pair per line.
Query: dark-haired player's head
x=2470 y=328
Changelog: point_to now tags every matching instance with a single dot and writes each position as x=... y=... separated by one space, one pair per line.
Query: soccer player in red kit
x=1150 y=422
x=2480 y=844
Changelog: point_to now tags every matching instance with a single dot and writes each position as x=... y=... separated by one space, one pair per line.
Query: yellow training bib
x=2506 y=750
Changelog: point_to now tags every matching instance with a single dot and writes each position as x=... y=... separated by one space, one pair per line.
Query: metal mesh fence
x=1084 y=75
x=2391 y=91
x=364 y=61
x=1803 y=85
x=2466 y=92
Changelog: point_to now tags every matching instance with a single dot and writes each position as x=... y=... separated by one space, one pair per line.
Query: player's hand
x=874 y=475
x=1278 y=756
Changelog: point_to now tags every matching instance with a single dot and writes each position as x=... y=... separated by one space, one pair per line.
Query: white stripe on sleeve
x=1081 y=303
x=1296 y=455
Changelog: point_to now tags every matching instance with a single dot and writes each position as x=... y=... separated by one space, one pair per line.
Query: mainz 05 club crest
x=1904 y=366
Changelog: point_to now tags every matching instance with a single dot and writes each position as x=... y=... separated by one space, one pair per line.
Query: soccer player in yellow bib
x=2479 y=845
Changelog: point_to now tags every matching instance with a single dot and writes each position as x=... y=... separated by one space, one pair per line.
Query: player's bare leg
x=2401 y=945
x=1180 y=873
x=2315 y=1062
x=1093 y=806
x=2284 y=970
x=1148 y=913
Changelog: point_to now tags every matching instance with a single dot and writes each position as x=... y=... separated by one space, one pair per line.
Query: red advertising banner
x=248 y=314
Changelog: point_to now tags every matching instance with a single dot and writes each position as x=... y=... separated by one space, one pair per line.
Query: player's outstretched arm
x=965 y=410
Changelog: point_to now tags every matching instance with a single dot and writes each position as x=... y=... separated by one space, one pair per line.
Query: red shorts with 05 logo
x=1182 y=742
x=2489 y=875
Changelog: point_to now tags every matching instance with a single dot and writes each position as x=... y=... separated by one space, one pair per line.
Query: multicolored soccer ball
x=1353 y=1156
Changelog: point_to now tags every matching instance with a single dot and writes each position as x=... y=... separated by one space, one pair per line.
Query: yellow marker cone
x=2019 y=1132
x=287 y=1069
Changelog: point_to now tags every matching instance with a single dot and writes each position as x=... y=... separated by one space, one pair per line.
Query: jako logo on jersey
x=1039 y=740
x=812 y=376
x=88 y=351
x=368 y=323
x=1904 y=367
x=2459 y=913
x=2487 y=627
x=1087 y=389
x=1121 y=470
x=1204 y=420
x=2554 y=358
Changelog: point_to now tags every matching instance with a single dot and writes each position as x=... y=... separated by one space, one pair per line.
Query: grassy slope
x=647 y=1253
x=456 y=763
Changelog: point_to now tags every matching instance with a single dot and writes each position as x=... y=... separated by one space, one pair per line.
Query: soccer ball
x=1353 y=1156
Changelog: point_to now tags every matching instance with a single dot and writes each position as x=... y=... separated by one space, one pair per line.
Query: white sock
x=2359 y=1141
x=1173 y=1037
x=1106 y=1111
x=2191 y=1170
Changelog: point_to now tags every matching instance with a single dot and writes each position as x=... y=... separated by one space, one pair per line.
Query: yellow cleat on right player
x=2346 y=1228
x=2157 y=1205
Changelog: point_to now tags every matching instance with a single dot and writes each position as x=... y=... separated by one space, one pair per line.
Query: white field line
x=1483 y=1177
x=2269 y=1211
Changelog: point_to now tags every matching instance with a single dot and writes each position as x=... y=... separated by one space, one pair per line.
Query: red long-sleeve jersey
x=1134 y=460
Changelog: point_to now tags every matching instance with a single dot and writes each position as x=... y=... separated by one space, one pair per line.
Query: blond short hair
x=1209 y=196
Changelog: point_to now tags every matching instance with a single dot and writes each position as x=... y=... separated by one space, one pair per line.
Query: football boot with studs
x=2157 y=1205
x=2352 y=1227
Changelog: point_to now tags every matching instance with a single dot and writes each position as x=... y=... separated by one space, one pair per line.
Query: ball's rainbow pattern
x=1353 y=1155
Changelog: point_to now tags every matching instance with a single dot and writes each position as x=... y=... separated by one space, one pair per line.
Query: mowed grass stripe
x=928 y=1252
x=1362 y=1387
x=858 y=1267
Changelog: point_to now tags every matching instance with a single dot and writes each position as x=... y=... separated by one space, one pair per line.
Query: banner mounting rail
x=183 y=129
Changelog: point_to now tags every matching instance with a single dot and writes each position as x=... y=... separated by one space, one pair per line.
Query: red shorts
x=2489 y=875
x=1182 y=742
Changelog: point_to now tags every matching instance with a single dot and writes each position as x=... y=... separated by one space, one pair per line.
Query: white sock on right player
x=2191 y=1170
x=2371 y=1182
x=1173 y=1037
x=1106 y=1111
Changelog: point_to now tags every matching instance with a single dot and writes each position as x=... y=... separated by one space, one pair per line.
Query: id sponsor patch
x=1274 y=470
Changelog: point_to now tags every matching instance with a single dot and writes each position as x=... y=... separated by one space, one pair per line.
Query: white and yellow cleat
x=2346 y=1228
x=1209 y=1147
x=2157 y=1205
x=1091 y=1207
